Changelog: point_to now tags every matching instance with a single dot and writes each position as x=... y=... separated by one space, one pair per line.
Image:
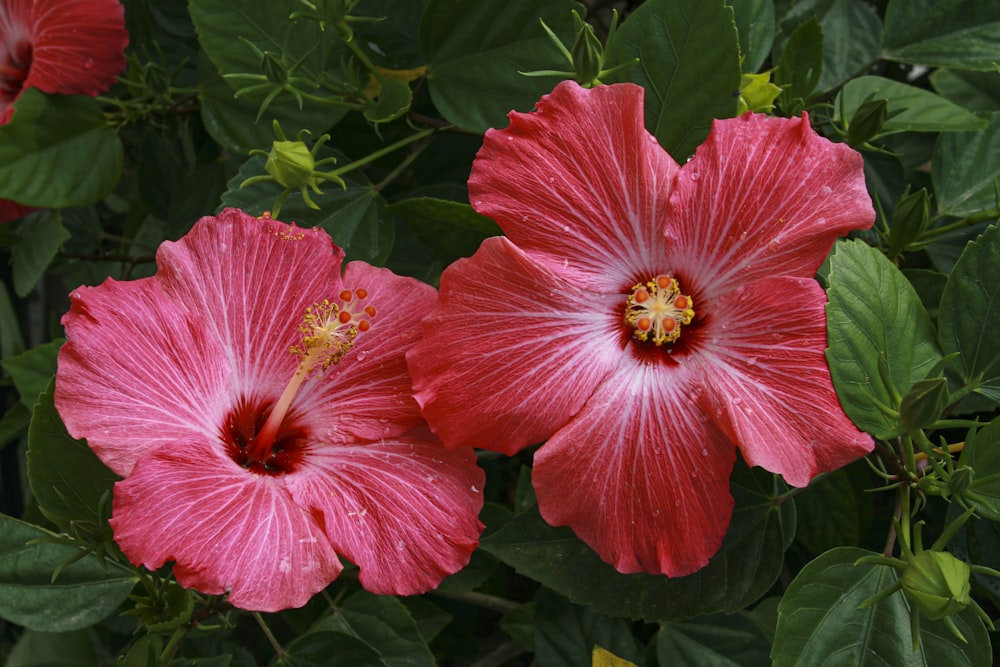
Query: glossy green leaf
x=84 y=593
x=394 y=99
x=383 y=623
x=969 y=315
x=976 y=91
x=718 y=640
x=966 y=170
x=42 y=235
x=32 y=370
x=820 y=624
x=476 y=50
x=688 y=54
x=880 y=337
x=357 y=218
x=910 y=109
x=391 y=42
x=756 y=27
x=565 y=634
x=742 y=571
x=14 y=423
x=964 y=34
x=67 y=478
x=58 y=151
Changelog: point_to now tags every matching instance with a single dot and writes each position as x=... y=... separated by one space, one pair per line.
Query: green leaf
x=881 y=339
x=964 y=34
x=851 y=37
x=969 y=315
x=819 y=622
x=330 y=649
x=14 y=423
x=32 y=371
x=800 y=67
x=67 y=479
x=392 y=42
x=718 y=640
x=565 y=634
x=966 y=170
x=383 y=623
x=910 y=109
x=688 y=54
x=58 y=151
x=976 y=91
x=358 y=218
x=982 y=454
x=42 y=234
x=84 y=593
x=756 y=27
x=742 y=571
x=476 y=50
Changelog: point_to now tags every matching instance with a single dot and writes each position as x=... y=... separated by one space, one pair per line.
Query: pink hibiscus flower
x=66 y=47
x=257 y=403
x=645 y=319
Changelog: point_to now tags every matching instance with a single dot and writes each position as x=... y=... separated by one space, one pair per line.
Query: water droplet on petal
x=704 y=451
x=694 y=176
x=88 y=63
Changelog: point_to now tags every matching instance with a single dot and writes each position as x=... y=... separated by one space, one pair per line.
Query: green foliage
x=477 y=49
x=57 y=151
x=85 y=592
x=688 y=55
x=821 y=622
x=881 y=341
x=405 y=90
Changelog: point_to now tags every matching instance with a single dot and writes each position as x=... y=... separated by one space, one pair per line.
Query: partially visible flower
x=11 y=210
x=645 y=319
x=66 y=47
x=257 y=403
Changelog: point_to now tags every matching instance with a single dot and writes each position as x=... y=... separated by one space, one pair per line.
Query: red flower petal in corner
x=257 y=403
x=11 y=210
x=66 y=47
x=645 y=319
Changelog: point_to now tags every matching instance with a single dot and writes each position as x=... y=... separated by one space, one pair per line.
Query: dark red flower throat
x=240 y=431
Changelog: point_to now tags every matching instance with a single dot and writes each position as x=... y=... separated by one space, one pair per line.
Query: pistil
x=656 y=310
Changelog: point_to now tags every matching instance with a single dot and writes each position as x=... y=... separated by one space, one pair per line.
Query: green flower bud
x=273 y=68
x=923 y=404
x=587 y=52
x=937 y=584
x=909 y=220
x=867 y=122
x=290 y=163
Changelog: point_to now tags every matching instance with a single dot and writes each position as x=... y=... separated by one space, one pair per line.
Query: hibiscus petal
x=11 y=210
x=252 y=279
x=511 y=351
x=580 y=184
x=640 y=476
x=762 y=196
x=226 y=528
x=405 y=510
x=77 y=46
x=368 y=395
x=769 y=387
x=137 y=372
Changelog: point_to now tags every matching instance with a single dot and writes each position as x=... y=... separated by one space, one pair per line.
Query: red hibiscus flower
x=67 y=47
x=257 y=403
x=645 y=319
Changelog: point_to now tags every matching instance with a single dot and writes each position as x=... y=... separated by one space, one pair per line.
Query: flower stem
x=279 y=652
x=484 y=600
